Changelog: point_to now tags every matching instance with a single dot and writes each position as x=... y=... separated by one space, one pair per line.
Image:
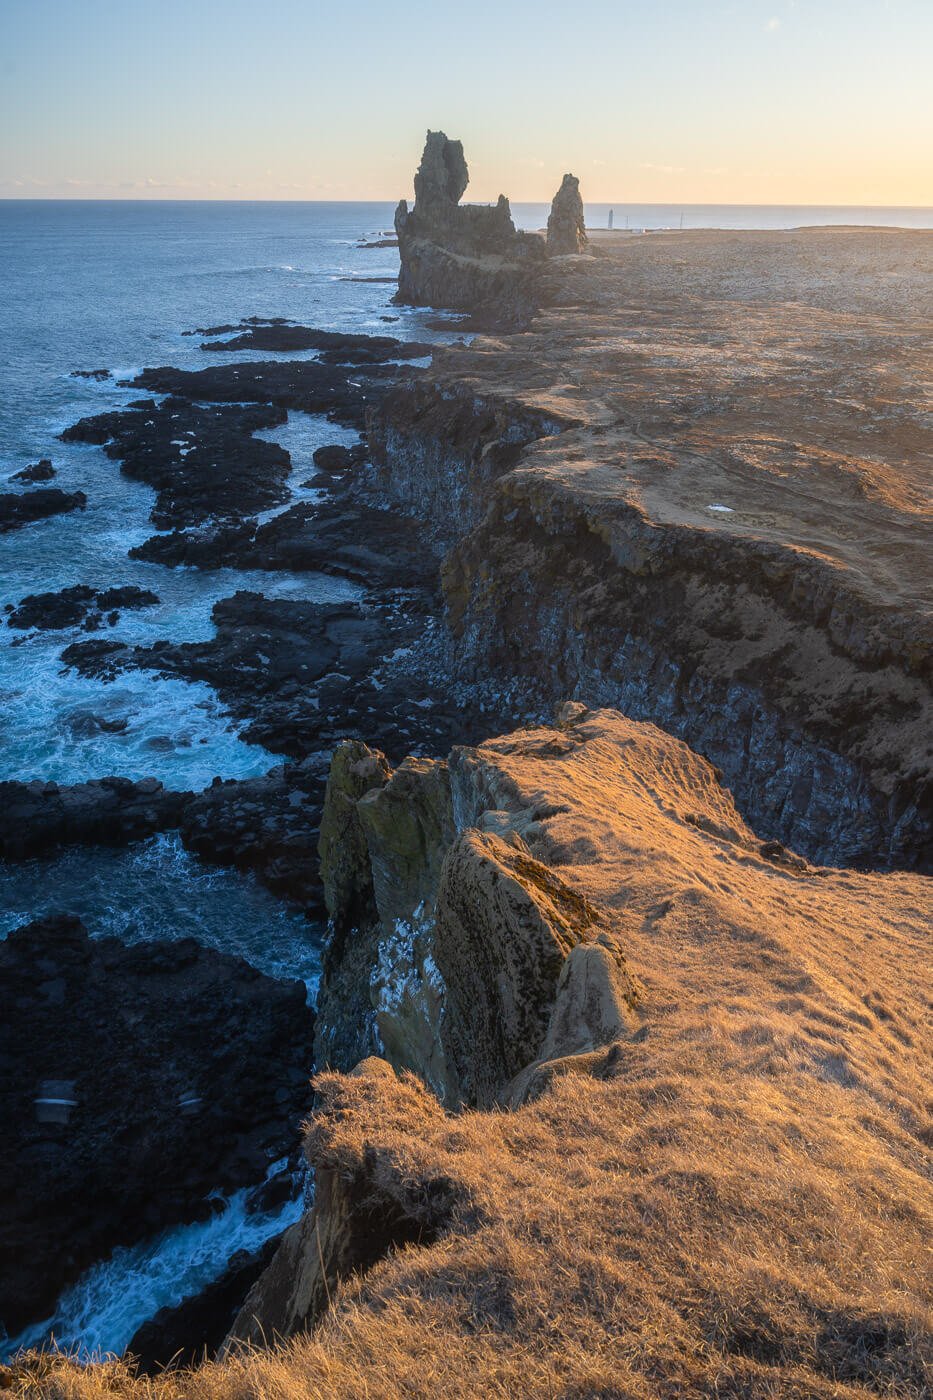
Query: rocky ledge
x=574 y=923
x=136 y=1081
x=19 y=508
x=36 y=817
x=666 y=501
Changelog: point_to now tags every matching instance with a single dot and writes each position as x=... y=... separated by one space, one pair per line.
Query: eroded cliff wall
x=706 y=544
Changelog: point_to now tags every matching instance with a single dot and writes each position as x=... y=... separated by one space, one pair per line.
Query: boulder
x=40 y=471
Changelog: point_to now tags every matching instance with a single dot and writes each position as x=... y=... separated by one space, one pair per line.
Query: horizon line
x=652 y=203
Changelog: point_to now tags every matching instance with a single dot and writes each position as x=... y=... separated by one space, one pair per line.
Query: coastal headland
x=622 y=1038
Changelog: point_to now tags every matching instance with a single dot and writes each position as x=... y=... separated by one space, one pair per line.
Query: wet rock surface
x=80 y=605
x=201 y=461
x=304 y=675
x=39 y=471
x=348 y=537
x=334 y=347
x=341 y=393
x=135 y=1081
x=36 y=817
x=22 y=508
x=268 y=825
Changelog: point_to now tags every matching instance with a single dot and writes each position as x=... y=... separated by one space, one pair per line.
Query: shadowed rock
x=467 y=257
x=18 y=509
x=566 y=231
x=135 y=1081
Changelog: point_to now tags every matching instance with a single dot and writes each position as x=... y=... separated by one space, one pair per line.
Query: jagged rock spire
x=566 y=231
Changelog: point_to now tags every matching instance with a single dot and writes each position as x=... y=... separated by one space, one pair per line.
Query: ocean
x=114 y=286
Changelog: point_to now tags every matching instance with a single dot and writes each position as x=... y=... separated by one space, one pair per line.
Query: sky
x=674 y=101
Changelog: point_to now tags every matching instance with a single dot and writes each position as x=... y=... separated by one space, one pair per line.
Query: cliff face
x=465 y=257
x=453 y=945
x=711 y=1056
x=671 y=506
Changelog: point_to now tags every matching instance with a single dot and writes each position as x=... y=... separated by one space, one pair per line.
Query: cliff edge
x=710 y=1173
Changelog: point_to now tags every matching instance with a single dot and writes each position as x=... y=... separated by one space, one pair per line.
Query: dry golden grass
x=735 y=1205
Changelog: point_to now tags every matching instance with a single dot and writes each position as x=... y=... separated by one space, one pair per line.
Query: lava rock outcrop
x=566 y=229
x=466 y=257
x=134 y=1082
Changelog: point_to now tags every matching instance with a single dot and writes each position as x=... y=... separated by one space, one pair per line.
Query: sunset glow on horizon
x=761 y=102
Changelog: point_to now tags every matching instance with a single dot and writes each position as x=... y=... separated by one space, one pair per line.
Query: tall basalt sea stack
x=566 y=230
x=467 y=257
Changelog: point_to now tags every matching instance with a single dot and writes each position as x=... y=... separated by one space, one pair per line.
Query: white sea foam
x=101 y=1312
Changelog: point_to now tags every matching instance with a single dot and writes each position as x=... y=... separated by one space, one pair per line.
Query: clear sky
x=719 y=101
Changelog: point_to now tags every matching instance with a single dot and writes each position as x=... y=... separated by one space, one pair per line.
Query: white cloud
x=773 y=24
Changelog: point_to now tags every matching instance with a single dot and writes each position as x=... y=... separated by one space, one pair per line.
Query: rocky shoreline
x=602 y=503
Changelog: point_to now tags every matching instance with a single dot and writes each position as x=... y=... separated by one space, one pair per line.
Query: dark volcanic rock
x=18 y=509
x=134 y=1081
x=98 y=374
x=335 y=536
x=267 y=824
x=343 y=393
x=468 y=257
x=304 y=676
x=127 y=596
x=339 y=459
x=264 y=662
x=66 y=608
x=336 y=347
x=202 y=461
x=566 y=230
x=37 y=816
x=69 y=607
x=40 y=471
x=196 y=1328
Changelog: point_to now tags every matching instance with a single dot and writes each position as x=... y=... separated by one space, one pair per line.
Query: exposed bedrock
x=341 y=392
x=467 y=257
x=566 y=230
x=19 y=508
x=813 y=700
x=202 y=461
x=79 y=605
x=453 y=950
x=36 y=817
x=135 y=1081
x=438 y=454
x=334 y=347
x=268 y=825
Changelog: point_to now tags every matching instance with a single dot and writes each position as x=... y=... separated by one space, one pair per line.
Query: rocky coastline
x=613 y=770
